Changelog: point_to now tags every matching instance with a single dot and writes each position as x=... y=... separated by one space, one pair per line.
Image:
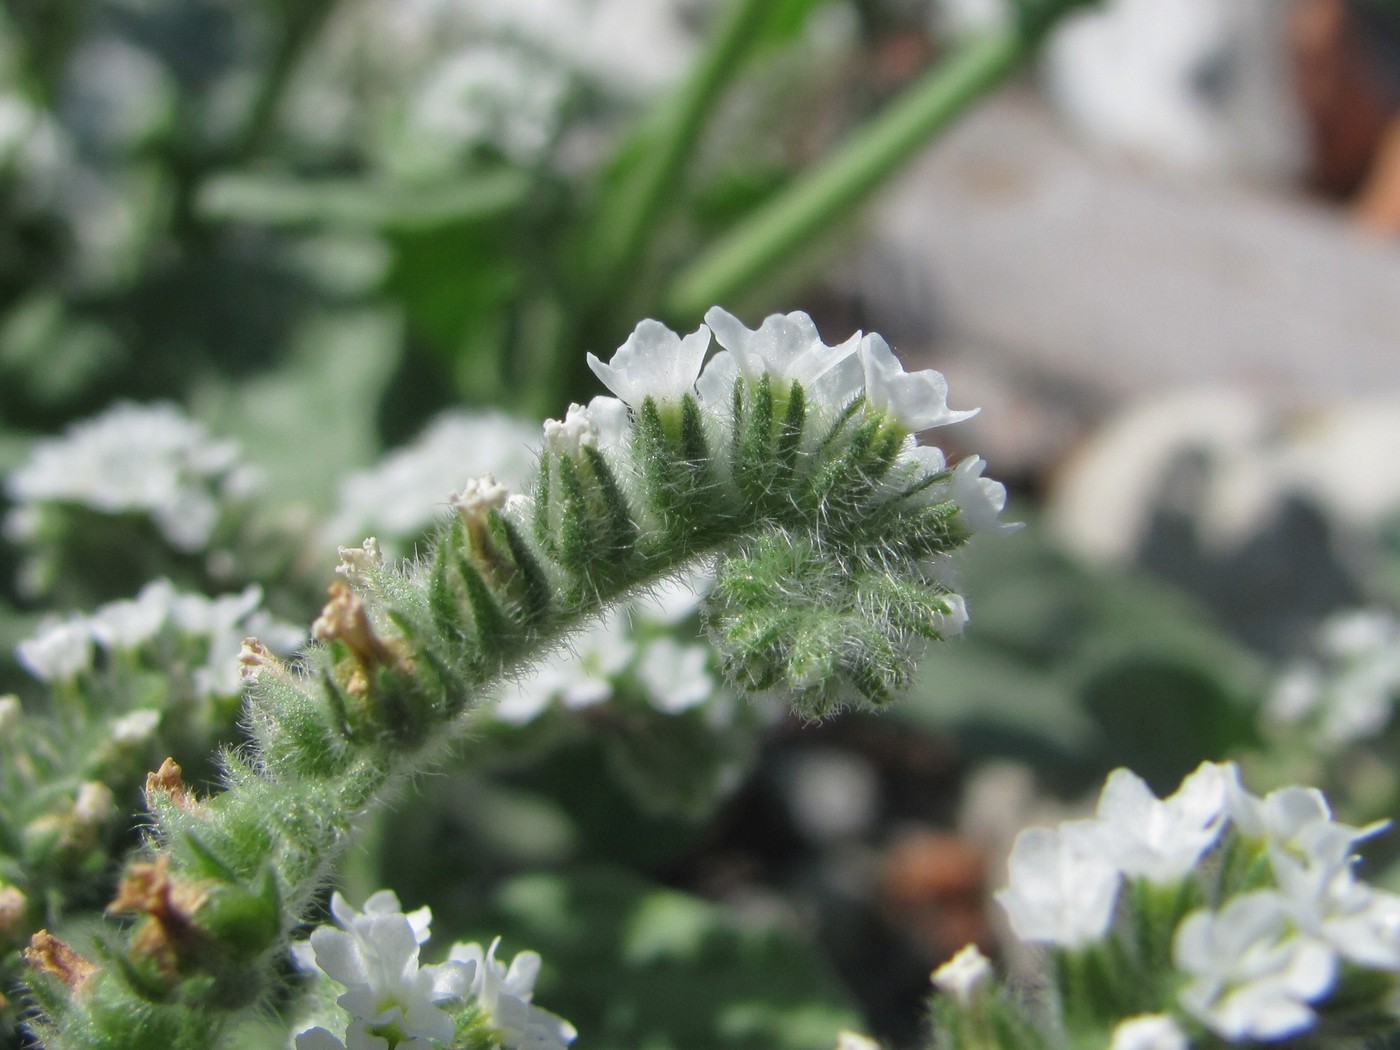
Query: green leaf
x=291 y=201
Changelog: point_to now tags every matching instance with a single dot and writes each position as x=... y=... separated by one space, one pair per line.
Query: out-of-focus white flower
x=1252 y=977
x=225 y=621
x=1149 y=1032
x=505 y=994
x=964 y=976
x=59 y=652
x=1059 y=890
x=374 y=954
x=654 y=363
x=676 y=677
x=676 y=600
x=1328 y=903
x=400 y=498
x=580 y=676
x=145 y=459
x=95 y=804
x=1350 y=694
x=1296 y=825
x=125 y=625
x=1160 y=840
x=916 y=400
x=786 y=347
x=135 y=727
x=492 y=93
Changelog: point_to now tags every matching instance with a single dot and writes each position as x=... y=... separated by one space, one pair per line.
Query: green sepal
x=245 y=922
x=790 y=430
x=208 y=864
x=621 y=530
x=536 y=593
x=442 y=603
x=573 y=548
x=493 y=627
x=539 y=517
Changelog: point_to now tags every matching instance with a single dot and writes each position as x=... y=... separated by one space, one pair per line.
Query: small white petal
x=1149 y=1032
x=917 y=400
x=964 y=976
x=654 y=362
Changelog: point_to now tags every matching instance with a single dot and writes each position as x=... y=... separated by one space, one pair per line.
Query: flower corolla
x=916 y=400
x=1160 y=840
x=654 y=363
x=964 y=976
x=1149 y=1032
x=1251 y=977
x=1059 y=891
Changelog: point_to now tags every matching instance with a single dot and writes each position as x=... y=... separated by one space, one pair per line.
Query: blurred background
x=319 y=261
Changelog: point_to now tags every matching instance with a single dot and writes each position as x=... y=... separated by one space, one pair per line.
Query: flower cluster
x=1219 y=909
x=773 y=403
x=392 y=1000
x=133 y=459
x=400 y=499
x=637 y=642
x=65 y=648
x=1349 y=693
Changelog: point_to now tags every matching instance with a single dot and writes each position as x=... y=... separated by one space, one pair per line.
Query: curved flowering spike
x=831 y=529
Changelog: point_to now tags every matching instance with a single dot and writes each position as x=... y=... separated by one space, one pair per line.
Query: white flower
x=400 y=498
x=135 y=727
x=855 y=1041
x=60 y=652
x=95 y=804
x=916 y=400
x=1161 y=840
x=505 y=994
x=375 y=955
x=603 y=424
x=123 y=626
x=319 y=1038
x=1296 y=824
x=676 y=677
x=654 y=362
x=952 y=623
x=964 y=976
x=1058 y=890
x=1252 y=977
x=1328 y=903
x=147 y=459
x=980 y=500
x=493 y=93
x=579 y=676
x=788 y=349
x=1149 y=1032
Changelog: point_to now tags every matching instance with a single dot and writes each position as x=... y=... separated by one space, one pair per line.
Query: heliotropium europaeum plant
x=1207 y=918
x=791 y=465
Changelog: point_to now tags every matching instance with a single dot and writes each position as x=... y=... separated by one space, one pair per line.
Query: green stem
x=631 y=209
x=631 y=214
x=815 y=202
